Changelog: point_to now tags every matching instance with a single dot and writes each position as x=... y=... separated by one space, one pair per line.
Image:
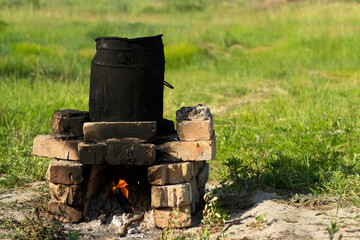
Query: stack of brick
x=82 y=150
x=66 y=175
x=118 y=143
x=178 y=179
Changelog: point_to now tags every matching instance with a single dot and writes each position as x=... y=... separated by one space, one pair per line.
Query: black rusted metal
x=127 y=79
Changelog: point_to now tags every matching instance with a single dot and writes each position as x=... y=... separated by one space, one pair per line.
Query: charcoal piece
x=123 y=201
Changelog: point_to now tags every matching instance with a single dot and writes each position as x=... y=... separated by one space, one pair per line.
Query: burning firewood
x=123 y=201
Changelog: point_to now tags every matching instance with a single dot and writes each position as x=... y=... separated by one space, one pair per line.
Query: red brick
x=69 y=122
x=195 y=130
x=92 y=153
x=65 y=172
x=129 y=151
x=65 y=213
x=97 y=179
x=170 y=173
x=157 y=174
x=99 y=131
x=171 y=195
x=187 y=151
x=68 y=194
x=56 y=146
x=172 y=217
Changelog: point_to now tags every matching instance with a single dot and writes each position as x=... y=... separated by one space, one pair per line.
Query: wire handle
x=122 y=59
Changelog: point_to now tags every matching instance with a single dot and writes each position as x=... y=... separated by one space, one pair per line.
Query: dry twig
x=131 y=221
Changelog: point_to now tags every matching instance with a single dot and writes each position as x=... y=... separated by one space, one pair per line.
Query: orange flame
x=122 y=185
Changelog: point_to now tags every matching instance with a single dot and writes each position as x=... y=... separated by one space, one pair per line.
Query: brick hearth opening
x=164 y=170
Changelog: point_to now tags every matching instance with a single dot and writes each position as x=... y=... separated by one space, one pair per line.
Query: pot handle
x=122 y=59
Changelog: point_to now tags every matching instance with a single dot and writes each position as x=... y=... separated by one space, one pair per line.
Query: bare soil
x=298 y=217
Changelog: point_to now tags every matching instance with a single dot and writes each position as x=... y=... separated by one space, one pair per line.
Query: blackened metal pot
x=127 y=79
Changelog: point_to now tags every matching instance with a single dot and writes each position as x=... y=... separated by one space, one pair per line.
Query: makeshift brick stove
x=154 y=168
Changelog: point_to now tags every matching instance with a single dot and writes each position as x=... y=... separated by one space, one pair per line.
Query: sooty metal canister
x=127 y=79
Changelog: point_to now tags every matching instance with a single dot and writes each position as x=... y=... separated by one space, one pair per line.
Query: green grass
x=281 y=80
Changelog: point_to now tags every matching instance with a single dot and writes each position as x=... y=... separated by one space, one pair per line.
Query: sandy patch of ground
x=284 y=221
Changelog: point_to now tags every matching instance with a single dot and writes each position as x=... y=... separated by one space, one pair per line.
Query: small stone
x=132 y=231
x=65 y=172
x=69 y=122
x=65 y=213
x=187 y=151
x=100 y=131
x=171 y=195
x=56 y=146
x=173 y=217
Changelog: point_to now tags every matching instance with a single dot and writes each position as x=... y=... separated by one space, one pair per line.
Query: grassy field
x=282 y=81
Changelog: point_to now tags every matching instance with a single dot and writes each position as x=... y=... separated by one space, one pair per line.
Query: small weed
x=73 y=235
x=32 y=228
x=261 y=218
x=173 y=230
x=35 y=225
x=213 y=214
x=332 y=229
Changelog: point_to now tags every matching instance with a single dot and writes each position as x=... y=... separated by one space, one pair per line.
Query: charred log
x=123 y=201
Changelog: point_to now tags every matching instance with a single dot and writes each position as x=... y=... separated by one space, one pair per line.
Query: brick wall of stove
x=177 y=168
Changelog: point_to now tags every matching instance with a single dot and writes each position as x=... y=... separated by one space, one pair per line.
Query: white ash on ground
x=103 y=206
x=106 y=218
